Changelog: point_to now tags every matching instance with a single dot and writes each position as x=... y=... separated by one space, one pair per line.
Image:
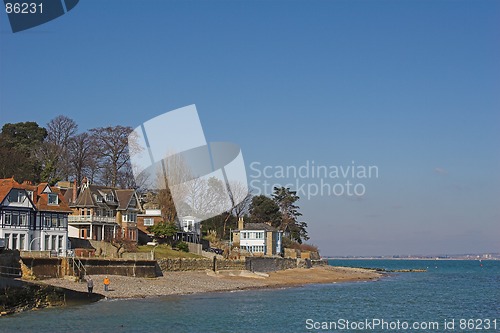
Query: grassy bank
x=165 y=251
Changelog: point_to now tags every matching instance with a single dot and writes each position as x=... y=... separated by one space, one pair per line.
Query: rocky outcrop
x=21 y=296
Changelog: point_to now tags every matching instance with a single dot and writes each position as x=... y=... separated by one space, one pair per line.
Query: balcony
x=90 y=218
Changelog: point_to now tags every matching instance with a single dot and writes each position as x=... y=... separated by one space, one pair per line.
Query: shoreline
x=194 y=282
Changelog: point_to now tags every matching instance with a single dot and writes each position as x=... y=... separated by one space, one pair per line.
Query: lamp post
x=153 y=252
x=34 y=239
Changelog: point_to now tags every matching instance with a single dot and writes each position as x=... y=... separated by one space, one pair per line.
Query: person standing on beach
x=90 y=284
x=106 y=283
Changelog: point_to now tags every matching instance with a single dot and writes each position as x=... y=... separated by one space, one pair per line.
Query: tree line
x=59 y=152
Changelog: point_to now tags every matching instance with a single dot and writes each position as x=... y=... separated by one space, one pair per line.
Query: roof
x=40 y=198
x=84 y=199
x=87 y=197
x=124 y=197
x=258 y=226
x=6 y=185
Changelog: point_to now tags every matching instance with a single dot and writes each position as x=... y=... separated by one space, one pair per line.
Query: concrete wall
x=256 y=264
x=42 y=268
x=136 y=268
x=194 y=248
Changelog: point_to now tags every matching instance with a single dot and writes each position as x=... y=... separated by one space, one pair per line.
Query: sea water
x=452 y=296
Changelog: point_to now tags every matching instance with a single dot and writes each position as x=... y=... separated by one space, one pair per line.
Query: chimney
x=74 y=191
x=240 y=223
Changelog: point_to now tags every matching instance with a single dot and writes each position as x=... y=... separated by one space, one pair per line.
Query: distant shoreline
x=436 y=259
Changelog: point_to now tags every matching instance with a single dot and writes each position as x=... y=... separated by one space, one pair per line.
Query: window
x=14 y=241
x=17 y=196
x=15 y=218
x=47 y=221
x=129 y=217
x=98 y=198
x=60 y=243
x=8 y=218
x=47 y=242
x=54 y=240
x=7 y=240
x=30 y=194
x=23 y=219
x=109 y=197
x=22 y=241
x=149 y=221
x=54 y=220
x=53 y=199
x=243 y=235
x=21 y=196
x=259 y=235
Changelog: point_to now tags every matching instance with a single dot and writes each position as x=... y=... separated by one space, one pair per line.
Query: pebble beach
x=178 y=283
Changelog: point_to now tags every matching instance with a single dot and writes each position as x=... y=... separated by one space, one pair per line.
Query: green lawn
x=165 y=251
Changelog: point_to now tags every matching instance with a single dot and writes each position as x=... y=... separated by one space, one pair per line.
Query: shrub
x=183 y=246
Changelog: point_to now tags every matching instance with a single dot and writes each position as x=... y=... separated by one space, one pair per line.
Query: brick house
x=102 y=213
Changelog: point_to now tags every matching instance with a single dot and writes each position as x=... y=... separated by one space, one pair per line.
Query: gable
x=47 y=189
x=17 y=197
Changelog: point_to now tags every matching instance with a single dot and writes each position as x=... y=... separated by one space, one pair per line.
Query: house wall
x=73 y=232
x=14 y=235
x=270 y=249
x=236 y=237
x=140 y=222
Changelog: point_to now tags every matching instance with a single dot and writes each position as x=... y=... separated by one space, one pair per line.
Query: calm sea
x=462 y=294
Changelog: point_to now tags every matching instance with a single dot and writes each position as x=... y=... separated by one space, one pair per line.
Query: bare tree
x=82 y=155
x=171 y=175
x=112 y=148
x=240 y=201
x=54 y=151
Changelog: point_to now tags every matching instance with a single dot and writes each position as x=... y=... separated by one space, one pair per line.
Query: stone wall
x=137 y=255
x=184 y=264
x=191 y=264
x=9 y=264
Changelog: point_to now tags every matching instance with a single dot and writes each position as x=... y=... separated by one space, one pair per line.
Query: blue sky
x=409 y=86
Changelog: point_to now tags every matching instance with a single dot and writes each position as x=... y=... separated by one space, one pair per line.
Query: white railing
x=90 y=218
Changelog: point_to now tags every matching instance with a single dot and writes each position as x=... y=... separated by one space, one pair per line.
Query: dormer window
x=53 y=199
x=21 y=196
x=30 y=194
x=109 y=197
x=17 y=196
x=98 y=198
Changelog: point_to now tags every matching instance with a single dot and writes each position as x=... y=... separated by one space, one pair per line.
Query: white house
x=33 y=217
x=258 y=238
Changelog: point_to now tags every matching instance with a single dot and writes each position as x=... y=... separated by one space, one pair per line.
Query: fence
x=10 y=271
